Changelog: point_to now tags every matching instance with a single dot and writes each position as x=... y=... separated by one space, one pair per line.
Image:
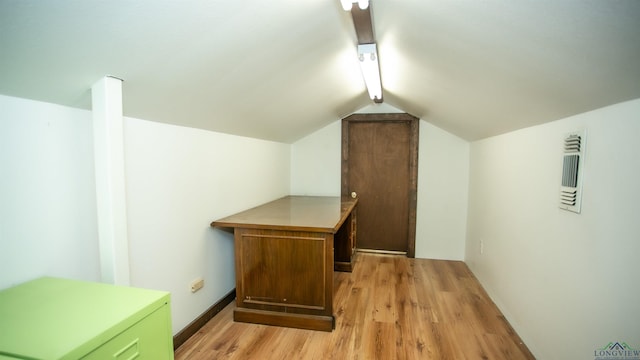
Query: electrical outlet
x=197 y=284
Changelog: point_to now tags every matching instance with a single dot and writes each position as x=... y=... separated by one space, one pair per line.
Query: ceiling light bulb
x=370 y=70
x=347 y=4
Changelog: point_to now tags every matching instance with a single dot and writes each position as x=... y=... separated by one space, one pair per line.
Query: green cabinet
x=52 y=318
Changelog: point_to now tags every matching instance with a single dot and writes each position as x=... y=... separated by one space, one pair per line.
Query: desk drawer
x=147 y=339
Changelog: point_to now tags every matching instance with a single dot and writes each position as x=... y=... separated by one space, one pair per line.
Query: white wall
x=442 y=182
x=179 y=180
x=568 y=283
x=47 y=193
x=316 y=162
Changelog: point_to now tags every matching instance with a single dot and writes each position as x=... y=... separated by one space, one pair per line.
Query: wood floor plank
x=389 y=307
x=378 y=341
x=314 y=348
x=384 y=293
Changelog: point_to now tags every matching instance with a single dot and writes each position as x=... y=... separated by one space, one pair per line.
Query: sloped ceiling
x=281 y=69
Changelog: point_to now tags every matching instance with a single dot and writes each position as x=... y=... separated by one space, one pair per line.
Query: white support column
x=106 y=96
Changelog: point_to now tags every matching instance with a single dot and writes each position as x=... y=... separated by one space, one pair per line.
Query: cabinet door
x=149 y=339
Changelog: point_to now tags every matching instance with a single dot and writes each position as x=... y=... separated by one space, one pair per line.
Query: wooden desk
x=284 y=255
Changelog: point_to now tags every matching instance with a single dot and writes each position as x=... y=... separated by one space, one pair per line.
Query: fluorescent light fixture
x=347 y=4
x=368 y=57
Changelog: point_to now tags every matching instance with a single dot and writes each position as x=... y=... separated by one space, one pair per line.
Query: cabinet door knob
x=354 y=194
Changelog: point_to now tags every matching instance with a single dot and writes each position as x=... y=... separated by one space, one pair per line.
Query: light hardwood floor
x=390 y=307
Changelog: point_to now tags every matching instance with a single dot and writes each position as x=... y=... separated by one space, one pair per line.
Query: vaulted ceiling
x=281 y=69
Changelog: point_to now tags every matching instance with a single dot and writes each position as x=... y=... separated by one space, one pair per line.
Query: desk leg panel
x=345 y=244
x=283 y=275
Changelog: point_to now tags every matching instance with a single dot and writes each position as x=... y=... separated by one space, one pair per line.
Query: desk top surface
x=296 y=213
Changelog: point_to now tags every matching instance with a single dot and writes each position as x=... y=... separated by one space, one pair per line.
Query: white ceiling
x=281 y=69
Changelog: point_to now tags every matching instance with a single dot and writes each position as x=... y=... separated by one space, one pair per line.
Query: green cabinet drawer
x=51 y=318
x=144 y=340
